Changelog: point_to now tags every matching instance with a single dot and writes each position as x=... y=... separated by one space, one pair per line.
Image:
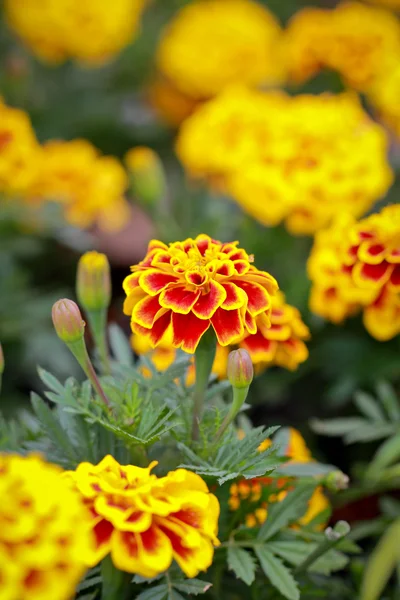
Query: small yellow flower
x=93 y=31
x=93 y=285
x=147 y=175
x=45 y=535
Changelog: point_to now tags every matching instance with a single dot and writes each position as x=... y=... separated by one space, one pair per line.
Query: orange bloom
x=193 y=285
x=145 y=521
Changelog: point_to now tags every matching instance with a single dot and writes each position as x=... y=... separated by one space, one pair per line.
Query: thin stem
x=239 y=396
x=115 y=582
x=324 y=547
x=80 y=352
x=98 y=325
x=204 y=359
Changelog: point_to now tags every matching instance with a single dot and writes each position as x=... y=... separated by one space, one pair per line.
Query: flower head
x=91 y=32
x=93 y=285
x=45 y=535
x=355 y=266
x=145 y=522
x=358 y=41
x=192 y=285
x=300 y=159
x=245 y=47
x=67 y=321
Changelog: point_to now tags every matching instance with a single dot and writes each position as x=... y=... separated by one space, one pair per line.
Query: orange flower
x=193 y=285
x=145 y=521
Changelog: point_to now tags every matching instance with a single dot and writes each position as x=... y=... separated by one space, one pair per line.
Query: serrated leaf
x=158 y=592
x=242 y=564
x=279 y=575
x=370 y=432
x=297 y=551
x=311 y=469
x=386 y=454
x=389 y=400
x=368 y=406
x=50 y=381
x=192 y=586
x=337 y=427
x=281 y=514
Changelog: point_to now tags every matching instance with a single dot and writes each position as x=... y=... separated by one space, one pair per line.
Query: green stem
x=340 y=531
x=115 y=582
x=98 y=325
x=239 y=396
x=204 y=359
x=79 y=350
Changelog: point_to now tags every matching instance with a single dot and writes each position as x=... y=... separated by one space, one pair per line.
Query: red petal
x=260 y=349
x=207 y=304
x=187 y=331
x=203 y=243
x=195 y=278
x=228 y=326
x=178 y=299
x=374 y=274
x=146 y=311
x=159 y=328
x=153 y=281
x=225 y=269
x=241 y=266
x=395 y=278
x=103 y=531
x=258 y=298
x=235 y=297
x=250 y=323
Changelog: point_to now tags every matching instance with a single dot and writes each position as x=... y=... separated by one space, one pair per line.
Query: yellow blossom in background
x=144 y=521
x=254 y=495
x=45 y=535
x=356 y=40
x=171 y=105
x=395 y=4
x=300 y=159
x=19 y=151
x=213 y=43
x=92 y=31
x=354 y=267
x=89 y=187
x=384 y=97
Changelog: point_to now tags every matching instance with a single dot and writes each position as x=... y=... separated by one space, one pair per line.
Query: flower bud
x=93 y=283
x=148 y=178
x=240 y=369
x=67 y=320
x=1 y=360
x=336 y=481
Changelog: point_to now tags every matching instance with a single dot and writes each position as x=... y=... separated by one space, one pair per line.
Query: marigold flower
x=301 y=159
x=255 y=495
x=383 y=96
x=245 y=47
x=19 y=151
x=356 y=40
x=355 y=266
x=89 y=187
x=92 y=32
x=145 y=522
x=192 y=285
x=45 y=535
x=93 y=284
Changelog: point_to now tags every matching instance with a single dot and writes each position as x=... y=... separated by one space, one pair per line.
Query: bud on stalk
x=67 y=320
x=147 y=175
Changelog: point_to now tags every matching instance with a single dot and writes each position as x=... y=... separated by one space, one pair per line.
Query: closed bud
x=93 y=283
x=240 y=369
x=148 y=178
x=1 y=360
x=336 y=481
x=67 y=320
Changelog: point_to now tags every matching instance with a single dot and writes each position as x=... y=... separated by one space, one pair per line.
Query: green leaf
x=242 y=564
x=370 y=432
x=50 y=381
x=159 y=592
x=120 y=346
x=386 y=454
x=311 y=469
x=192 y=586
x=297 y=551
x=337 y=427
x=280 y=514
x=381 y=564
x=389 y=400
x=279 y=575
x=368 y=406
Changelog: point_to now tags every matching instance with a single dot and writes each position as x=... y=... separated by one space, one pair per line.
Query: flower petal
x=146 y=311
x=258 y=299
x=373 y=276
x=207 y=304
x=159 y=328
x=259 y=348
x=250 y=323
x=187 y=331
x=228 y=326
x=103 y=531
x=132 y=299
x=394 y=281
x=146 y=554
x=178 y=299
x=154 y=281
x=235 y=296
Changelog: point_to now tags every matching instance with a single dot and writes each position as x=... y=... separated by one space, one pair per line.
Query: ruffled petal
x=178 y=299
x=146 y=311
x=228 y=326
x=154 y=281
x=208 y=303
x=187 y=331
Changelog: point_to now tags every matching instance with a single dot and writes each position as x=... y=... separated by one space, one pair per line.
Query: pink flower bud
x=93 y=285
x=240 y=369
x=67 y=320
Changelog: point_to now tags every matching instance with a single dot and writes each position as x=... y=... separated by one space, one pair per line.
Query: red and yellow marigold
x=253 y=496
x=188 y=287
x=144 y=521
x=355 y=266
x=46 y=541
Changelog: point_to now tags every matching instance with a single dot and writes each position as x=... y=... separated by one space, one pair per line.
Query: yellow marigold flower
x=19 y=151
x=317 y=504
x=170 y=105
x=395 y=4
x=384 y=95
x=144 y=521
x=193 y=285
x=244 y=48
x=356 y=266
x=45 y=535
x=356 y=40
x=89 y=187
x=301 y=159
x=93 y=31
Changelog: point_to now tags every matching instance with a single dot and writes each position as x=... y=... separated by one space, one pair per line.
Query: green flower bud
x=147 y=175
x=336 y=481
x=67 y=321
x=240 y=369
x=93 y=283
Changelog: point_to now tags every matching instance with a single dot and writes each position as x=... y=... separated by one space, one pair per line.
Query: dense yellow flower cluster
x=144 y=521
x=359 y=41
x=92 y=31
x=252 y=496
x=89 y=187
x=384 y=96
x=355 y=266
x=300 y=159
x=45 y=535
x=395 y=4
